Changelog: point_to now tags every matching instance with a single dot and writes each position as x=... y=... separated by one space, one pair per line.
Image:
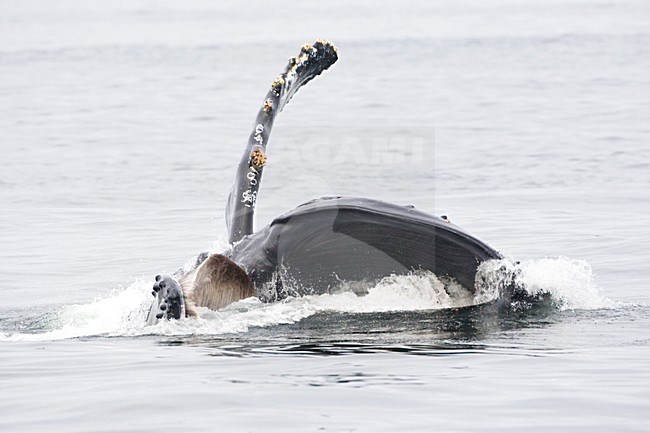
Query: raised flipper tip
x=325 y=52
x=312 y=60
x=317 y=57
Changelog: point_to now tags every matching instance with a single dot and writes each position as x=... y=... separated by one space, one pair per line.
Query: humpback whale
x=320 y=246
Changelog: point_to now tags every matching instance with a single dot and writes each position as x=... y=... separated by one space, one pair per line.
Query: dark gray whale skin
x=331 y=240
x=333 y=243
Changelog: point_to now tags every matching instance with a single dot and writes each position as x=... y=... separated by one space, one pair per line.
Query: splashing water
x=570 y=284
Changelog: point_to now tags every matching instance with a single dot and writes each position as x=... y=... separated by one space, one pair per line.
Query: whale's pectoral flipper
x=169 y=302
x=312 y=60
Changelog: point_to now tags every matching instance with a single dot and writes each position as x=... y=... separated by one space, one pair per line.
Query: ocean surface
x=121 y=124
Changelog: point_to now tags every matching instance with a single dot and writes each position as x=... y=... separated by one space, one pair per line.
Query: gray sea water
x=121 y=124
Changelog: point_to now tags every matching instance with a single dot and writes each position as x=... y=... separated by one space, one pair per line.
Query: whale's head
x=216 y=282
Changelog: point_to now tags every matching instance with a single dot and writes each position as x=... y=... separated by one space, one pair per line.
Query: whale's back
x=328 y=241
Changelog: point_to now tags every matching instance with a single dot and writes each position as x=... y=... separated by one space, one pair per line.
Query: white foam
x=110 y=315
x=123 y=312
x=421 y=290
x=570 y=283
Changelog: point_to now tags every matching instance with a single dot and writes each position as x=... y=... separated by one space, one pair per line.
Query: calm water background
x=120 y=127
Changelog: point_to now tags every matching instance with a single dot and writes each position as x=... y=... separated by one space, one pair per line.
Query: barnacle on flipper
x=268 y=105
x=325 y=43
x=277 y=84
x=258 y=158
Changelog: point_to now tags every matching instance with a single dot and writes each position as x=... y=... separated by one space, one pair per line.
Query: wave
x=569 y=283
